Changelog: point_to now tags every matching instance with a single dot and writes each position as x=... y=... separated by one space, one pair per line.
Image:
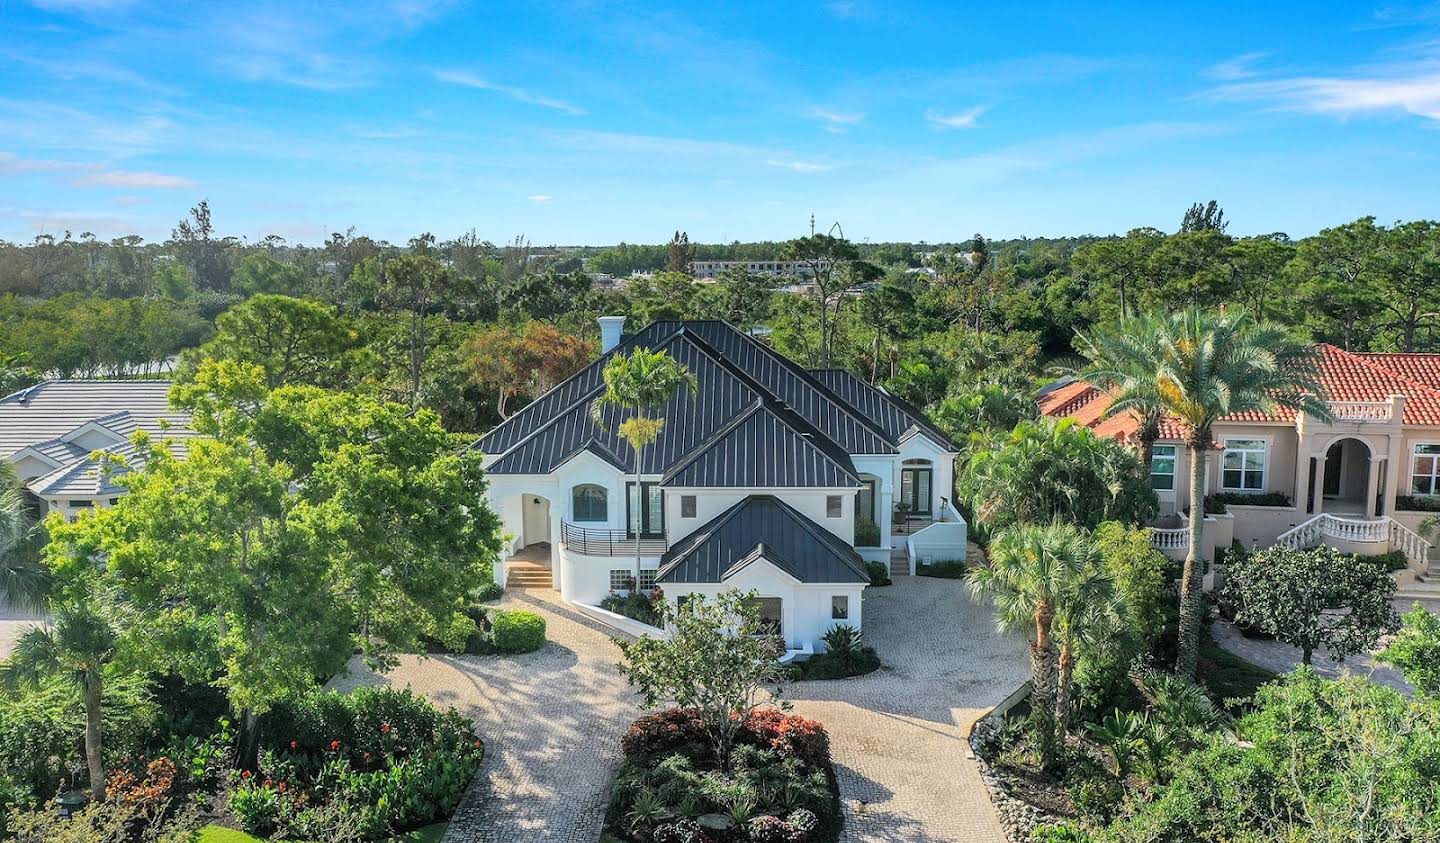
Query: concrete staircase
x=899 y=563
x=1426 y=588
x=527 y=575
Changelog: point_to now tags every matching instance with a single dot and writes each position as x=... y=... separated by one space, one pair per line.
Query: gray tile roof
x=895 y=416
x=734 y=372
x=49 y=410
x=761 y=526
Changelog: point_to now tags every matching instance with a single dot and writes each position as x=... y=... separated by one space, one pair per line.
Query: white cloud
x=959 y=120
x=386 y=134
x=800 y=166
x=470 y=80
x=1236 y=67
x=539 y=198
x=1415 y=92
x=135 y=179
x=836 y=122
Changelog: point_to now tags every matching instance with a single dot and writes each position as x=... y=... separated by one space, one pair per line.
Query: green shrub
x=489 y=592
x=1219 y=502
x=1390 y=562
x=638 y=607
x=948 y=569
x=867 y=533
x=256 y=808
x=879 y=573
x=517 y=631
x=1093 y=791
x=845 y=655
x=1062 y=833
x=1418 y=503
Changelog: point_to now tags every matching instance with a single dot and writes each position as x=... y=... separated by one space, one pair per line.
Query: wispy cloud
x=835 y=121
x=135 y=179
x=800 y=166
x=1413 y=89
x=539 y=198
x=470 y=80
x=958 y=120
x=376 y=133
x=1236 y=67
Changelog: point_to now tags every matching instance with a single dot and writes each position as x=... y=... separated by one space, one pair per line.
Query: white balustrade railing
x=1375 y=531
x=1165 y=538
x=1362 y=411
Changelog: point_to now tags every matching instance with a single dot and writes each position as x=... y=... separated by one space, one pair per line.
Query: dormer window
x=589 y=503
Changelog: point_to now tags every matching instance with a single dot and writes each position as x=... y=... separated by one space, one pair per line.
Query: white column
x=1302 y=473
x=1370 y=487
x=1317 y=489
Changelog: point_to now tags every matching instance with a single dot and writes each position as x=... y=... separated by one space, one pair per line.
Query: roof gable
x=760 y=450
x=50 y=410
x=896 y=417
x=761 y=526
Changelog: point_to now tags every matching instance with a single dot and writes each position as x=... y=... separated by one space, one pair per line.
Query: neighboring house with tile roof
x=1364 y=469
x=55 y=433
x=769 y=477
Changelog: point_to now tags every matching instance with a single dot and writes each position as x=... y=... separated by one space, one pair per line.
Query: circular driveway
x=552 y=720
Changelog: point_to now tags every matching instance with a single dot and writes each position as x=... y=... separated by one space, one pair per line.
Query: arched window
x=589 y=503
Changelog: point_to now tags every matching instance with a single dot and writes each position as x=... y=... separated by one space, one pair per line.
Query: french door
x=915 y=485
x=649 y=519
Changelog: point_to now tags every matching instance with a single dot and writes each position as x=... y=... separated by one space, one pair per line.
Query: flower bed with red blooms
x=362 y=766
x=780 y=785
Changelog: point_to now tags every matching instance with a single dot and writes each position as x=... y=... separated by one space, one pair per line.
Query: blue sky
x=595 y=123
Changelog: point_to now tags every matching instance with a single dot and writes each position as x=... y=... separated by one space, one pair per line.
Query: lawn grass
x=1231 y=677
x=221 y=834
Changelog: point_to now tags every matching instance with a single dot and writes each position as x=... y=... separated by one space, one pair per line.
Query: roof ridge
x=701 y=535
x=760 y=405
x=1388 y=371
x=917 y=416
x=709 y=442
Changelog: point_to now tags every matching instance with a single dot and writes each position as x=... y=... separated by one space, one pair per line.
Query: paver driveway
x=552 y=721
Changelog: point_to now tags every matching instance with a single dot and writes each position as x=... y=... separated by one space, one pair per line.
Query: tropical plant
x=716 y=660
x=1122 y=734
x=79 y=646
x=1052 y=469
x=1122 y=359
x=1041 y=577
x=23 y=580
x=1208 y=366
x=1415 y=650
x=1313 y=598
x=640 y=384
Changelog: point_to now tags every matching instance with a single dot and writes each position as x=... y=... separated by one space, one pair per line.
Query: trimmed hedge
x=948 y=569
x=879 y=573
x=1418 y=503
x=517 y=631
x=1218 y=503
x=1395 y=560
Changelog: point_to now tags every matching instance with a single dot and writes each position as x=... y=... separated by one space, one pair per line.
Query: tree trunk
x=1062 y=688
x=824 y=333
x=247 y=754
x=875 y=357
x=1042 y=662
x=1306 y=654
x=1192 y=584
x=639 y=517
x=500 y=406
x=93 y=749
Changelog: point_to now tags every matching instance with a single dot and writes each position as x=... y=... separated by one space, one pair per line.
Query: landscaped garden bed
x=672 y=788
x=845 y=655
x=947 y=569
x=637 y=606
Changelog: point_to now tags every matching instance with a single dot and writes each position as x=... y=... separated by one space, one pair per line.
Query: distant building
x=710 y=270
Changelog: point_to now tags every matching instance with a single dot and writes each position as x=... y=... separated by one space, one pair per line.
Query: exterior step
x=528 y=576
x=899 y=563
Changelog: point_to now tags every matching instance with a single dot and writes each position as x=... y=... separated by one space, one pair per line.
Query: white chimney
x=610 y=330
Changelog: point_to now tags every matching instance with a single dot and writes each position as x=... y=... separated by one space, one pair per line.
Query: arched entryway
x=535 y=520
x=1350 y=482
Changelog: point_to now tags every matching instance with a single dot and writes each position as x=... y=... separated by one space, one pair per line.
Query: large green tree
x=294 y=341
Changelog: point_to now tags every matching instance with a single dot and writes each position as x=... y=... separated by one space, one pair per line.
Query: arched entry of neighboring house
x=535 y=521
x=1346 y=482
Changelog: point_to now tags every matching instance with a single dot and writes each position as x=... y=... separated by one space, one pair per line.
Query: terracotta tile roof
x=1346 y=376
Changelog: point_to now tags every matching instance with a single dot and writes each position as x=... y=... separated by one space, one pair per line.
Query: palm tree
x=1123 y=359
x=78 y=647
x=1090 y=616
x=1208 y=366
x=641 y=384
x=23 y=580
x=1035 y=577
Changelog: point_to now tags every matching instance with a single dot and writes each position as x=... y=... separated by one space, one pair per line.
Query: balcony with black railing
x=593 y=541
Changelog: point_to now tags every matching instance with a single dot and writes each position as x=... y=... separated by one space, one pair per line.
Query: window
x=620 y=579
x=1425 y=470
x=1244 y=465
x=687 y=506
x=81 y=504
x=833 y=506
x=1162 y=468
x=770 y=612
x=650 y=519
x=865 y=502
x=647 y=578
x=840 y=607
x=588 y=503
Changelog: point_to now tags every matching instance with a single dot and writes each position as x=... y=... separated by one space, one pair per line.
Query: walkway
x=1282 y=658
x=552 y=721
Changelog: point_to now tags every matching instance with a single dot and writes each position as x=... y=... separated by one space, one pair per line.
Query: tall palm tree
x=78 y=647
x=1090 y=616
x=1122 y=359
x=23 y=580
x=1036 y=575
x=640 y=384
x=1208 y=366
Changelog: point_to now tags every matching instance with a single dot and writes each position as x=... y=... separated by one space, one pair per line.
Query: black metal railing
x=591 y=541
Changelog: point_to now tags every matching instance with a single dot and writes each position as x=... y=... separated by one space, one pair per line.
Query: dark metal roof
x=893 y=415
x=761 y=450
x=735 y=373
x=761 y=526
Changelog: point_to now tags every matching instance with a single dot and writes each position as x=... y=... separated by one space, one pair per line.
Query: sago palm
x=1034 y=575
x=1208 y=366
x=640 y=384
x=78 y=647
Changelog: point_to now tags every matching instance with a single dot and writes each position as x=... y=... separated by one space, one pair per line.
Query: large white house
x=54 y=432
x=759 y=481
